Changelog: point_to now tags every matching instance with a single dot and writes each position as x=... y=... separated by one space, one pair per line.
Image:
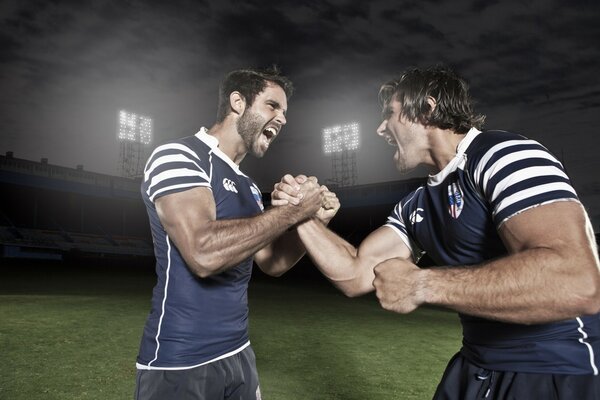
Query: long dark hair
x=453 y=110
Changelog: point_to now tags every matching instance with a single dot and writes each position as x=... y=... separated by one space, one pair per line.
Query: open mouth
x=390 y=140
x=270 y=133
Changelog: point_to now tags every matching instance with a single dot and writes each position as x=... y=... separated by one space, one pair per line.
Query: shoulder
x=493 y=141
x=495 y=149
x=190 y=147
x=177 y=165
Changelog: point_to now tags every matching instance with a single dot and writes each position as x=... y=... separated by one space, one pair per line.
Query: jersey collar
x=458 y=160
x=213 y=143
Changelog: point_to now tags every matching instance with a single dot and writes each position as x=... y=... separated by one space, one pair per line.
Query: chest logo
x=229 y=185
x=455 y=199
x=257 y=196
x=416 y=216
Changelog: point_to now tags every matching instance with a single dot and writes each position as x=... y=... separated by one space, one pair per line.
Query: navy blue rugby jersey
x=195 y=320
x=455 y=218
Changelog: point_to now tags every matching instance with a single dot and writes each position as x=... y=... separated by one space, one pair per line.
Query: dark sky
x=67 y=67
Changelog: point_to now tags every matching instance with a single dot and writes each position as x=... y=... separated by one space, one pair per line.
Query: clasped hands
x=295 y=190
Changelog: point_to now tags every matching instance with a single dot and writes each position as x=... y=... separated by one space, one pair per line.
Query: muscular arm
x=349 y=268
x=210 y=246
x=552 y=273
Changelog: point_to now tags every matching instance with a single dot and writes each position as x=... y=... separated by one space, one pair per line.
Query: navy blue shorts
x=463 y=380
x=232 y=378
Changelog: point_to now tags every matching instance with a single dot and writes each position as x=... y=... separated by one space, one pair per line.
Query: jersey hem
x=226 y=355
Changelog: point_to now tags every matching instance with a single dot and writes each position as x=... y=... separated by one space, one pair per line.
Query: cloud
x=67 y=67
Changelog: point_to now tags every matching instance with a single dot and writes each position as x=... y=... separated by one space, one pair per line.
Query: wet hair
x=249 y=82
x=453 y=110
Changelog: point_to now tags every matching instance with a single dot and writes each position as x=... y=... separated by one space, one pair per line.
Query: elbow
x=275 y=274
x=587 y=301
x=590 y=304
x=351 y=294
x=204 y=265
x=202 y=258
x=350 y=291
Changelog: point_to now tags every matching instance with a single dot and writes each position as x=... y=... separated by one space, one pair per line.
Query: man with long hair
x=513 y=245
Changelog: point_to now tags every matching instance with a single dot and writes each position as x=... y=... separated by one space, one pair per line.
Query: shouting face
x=260 y=124
x=408 y=137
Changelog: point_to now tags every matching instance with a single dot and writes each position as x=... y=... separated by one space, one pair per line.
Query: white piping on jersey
x=533 y=206
x=582 y=339
x=162 y=312
x=414 y=250
x=210 y=173
x=231 y=353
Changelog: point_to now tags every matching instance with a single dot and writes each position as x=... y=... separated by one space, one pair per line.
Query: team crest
x=455 y=199
x=257 y=196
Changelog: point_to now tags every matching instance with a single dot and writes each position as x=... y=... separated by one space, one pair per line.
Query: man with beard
x=513 y=244
x=208 y=226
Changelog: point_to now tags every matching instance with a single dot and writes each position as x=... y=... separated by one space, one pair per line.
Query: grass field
x=72 y=332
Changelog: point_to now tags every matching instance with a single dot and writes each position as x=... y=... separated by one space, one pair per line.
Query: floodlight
x=339 y=138
x=134 y=128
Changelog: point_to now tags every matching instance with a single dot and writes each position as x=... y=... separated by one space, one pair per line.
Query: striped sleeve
x=174 y=167
x=396 y=222
x=515 y=175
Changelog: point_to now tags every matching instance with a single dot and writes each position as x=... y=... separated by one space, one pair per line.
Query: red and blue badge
x=455 y=199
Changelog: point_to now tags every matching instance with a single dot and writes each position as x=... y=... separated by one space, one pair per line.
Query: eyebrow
x=276 y=104
x=387 y=111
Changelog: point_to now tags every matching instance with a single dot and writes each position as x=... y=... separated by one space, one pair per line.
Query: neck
x=230 y=142
x=443 y=147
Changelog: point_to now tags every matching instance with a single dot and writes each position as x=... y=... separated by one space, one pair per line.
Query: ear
x=237 y=102
x=432 y=103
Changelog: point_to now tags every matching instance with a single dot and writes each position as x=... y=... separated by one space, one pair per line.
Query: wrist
x=424 y=293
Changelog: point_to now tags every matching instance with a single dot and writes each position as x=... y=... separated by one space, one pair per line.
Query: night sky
x=68 y=67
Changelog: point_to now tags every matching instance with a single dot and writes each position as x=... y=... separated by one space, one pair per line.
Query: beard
x=250 y=127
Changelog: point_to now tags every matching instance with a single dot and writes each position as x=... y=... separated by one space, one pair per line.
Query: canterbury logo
x=228 y=184
x=415 y=216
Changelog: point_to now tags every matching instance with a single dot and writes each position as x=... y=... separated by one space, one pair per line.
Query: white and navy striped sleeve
x=174 y=167
x=515 y=175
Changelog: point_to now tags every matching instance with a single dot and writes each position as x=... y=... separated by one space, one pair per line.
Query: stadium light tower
x=135 y=136
x=342 y=142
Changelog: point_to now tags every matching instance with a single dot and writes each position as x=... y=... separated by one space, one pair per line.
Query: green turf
x=74 y=333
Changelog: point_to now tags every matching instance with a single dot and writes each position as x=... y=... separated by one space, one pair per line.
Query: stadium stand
x=51 y=212
x=54 y=212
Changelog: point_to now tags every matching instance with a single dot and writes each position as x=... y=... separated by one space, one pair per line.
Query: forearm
x=225 y=243
x=281 y=255
x=534 y=286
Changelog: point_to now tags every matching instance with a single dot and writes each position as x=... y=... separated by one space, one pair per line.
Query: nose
x=382 y=128
x=280 y=118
